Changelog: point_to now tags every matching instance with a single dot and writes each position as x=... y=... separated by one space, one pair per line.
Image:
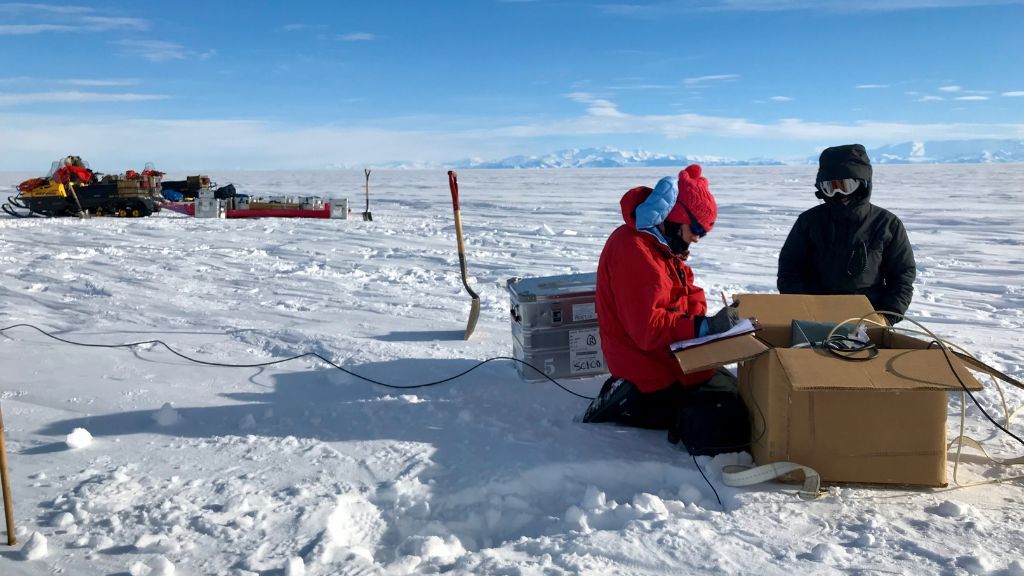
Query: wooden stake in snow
x=474 y=311
x=5 y=481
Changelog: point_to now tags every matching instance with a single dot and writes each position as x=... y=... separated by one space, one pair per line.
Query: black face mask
x=675 y=239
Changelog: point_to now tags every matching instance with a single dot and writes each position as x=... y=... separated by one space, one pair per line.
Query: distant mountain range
x=928 y=152
x=608 y=158
x=950 y=152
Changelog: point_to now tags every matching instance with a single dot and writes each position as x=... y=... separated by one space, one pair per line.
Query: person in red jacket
x=646 y=300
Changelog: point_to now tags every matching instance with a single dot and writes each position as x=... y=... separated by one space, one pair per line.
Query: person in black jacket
x=848 y=245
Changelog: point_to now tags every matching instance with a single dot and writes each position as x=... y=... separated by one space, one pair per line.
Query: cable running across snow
x=289 y=359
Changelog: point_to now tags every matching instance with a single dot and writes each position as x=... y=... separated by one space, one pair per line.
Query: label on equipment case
x=583 y=312
x=585 y=350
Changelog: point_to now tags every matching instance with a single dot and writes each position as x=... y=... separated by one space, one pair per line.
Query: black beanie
x=839 y=162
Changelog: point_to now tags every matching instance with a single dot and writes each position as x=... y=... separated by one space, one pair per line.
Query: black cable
x=701 y=470
x=945 y=354
x=840 y=350
x=845 y=347
x=282 y=360
x=367 y=379
x=982 y=367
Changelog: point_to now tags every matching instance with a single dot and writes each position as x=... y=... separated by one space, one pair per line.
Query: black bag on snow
x=712 y=419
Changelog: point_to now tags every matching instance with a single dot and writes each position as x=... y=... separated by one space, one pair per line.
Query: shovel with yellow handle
x=8 y=509
x=474 y=311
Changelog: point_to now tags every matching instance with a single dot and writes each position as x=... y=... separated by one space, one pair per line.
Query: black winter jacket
x=857 y=248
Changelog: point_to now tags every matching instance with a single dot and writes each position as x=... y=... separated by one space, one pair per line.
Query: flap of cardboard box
x=776 y=312
x=892 y=369
x=720 y=353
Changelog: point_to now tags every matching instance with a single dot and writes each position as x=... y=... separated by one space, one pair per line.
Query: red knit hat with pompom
x=696 y=197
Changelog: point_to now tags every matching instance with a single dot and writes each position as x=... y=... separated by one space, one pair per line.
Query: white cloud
x=668 y=7
x=357 y=37
x=684 y=125
x=9 y=99
x=99 y=82
x=634 y=87
x=930 y=98
x=100 y=23
x=871 y=86
x=596 y=106
x=844 y=6
x=162 y=50
x=23 y=29
x=44 y=18
x=711 y=78
x=781 y=99
x=304 y=27
x=15 y=7
x=1015 y=93
x=252 y=144
x=950 y=88
x=17 y=80
x=226 y=143
x=971 y=98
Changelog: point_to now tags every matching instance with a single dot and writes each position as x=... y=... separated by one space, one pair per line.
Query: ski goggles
x=846 y=186
x=695 y=226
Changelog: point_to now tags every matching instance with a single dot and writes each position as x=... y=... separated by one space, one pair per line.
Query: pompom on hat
x=695 y=196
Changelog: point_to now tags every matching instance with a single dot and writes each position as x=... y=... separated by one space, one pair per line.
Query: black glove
x=722 y=321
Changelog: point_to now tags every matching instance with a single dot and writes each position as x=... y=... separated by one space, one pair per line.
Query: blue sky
x=297 y=84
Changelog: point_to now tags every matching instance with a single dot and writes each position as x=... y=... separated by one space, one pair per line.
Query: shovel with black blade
x=367 y=215
x=474 y=311
x=81 y=213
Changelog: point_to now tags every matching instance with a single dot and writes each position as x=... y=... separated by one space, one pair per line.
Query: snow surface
x=299 y=468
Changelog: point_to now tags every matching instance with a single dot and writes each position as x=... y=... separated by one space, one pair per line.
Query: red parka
x=646 y=300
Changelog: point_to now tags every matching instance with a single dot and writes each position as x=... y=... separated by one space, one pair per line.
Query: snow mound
x=79 y=438
x=166 y=415
x=158 y=566
x=295 y=567
x=35 y=548
x=950 y=509
x=828 y=553
x=440 y=550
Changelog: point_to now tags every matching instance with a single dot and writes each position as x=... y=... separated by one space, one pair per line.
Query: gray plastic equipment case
x=554 y=326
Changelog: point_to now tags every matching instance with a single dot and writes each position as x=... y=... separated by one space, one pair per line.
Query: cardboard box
x=877 y=421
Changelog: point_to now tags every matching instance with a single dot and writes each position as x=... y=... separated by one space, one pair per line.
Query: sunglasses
x=695 y=226
x=846 y=186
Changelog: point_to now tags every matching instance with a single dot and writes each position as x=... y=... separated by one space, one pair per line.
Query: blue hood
x=655 y=209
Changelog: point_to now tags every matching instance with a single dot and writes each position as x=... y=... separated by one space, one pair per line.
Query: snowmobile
x=72 y=189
